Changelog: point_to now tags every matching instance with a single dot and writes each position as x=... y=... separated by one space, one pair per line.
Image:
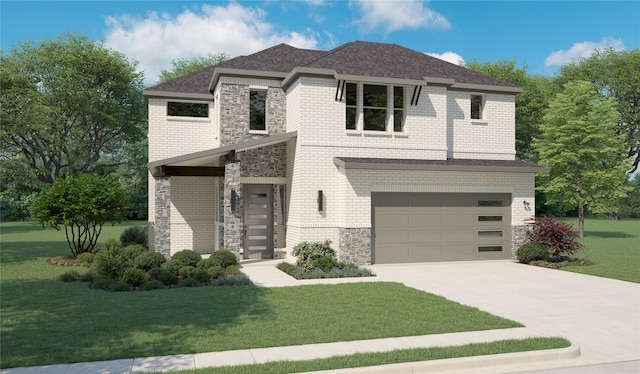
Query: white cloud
x=160 y=38
x=449 y=56
x=581 y=50
x=397 y=15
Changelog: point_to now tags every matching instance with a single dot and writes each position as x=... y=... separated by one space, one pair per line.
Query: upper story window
x=352 y=105
x=257 y=113
x=374 y=107
x=398 y=109
x=382 y=107
x=476 y=106
x=184 y=109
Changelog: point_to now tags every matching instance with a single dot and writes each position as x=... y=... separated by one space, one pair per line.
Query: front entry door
x=258 y=221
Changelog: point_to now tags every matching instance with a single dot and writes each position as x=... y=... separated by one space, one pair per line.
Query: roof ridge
x=329 y=53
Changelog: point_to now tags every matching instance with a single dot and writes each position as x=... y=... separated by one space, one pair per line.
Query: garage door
x=422 y=227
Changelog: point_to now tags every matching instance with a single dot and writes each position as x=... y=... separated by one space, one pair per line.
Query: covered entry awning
x=203 y=163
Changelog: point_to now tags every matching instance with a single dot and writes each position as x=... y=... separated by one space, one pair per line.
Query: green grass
x=47 y=322
x=613 y=247
x=392 y=357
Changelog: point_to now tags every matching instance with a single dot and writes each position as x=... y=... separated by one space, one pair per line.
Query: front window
x=374 y=102
x=352 y=108
x=398 y=106
x=257 y=104
x=476 y=107
x=184 y=109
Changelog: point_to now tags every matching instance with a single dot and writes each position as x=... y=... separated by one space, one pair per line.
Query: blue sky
x=540 y=34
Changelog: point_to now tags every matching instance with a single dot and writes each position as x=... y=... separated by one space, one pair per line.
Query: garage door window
x=489 y=218
x=490 y=248
x=490 y=234
x=489 y=203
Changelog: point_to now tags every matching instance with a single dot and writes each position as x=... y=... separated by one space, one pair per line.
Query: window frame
x=187 y=117
x=477 y=113
x=251 y=110
x=357 y=111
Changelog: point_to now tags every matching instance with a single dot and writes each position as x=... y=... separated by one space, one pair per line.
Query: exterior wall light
x=320 y=201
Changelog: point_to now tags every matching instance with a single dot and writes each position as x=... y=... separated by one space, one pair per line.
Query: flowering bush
x=557 y=236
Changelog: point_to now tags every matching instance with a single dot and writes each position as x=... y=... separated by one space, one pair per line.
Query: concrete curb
x=465 y=363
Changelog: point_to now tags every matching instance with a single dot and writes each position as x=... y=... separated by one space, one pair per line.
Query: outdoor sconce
x=320 y=201
x=526 y=204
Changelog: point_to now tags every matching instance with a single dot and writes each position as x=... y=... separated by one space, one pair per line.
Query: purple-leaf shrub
x=557 y=236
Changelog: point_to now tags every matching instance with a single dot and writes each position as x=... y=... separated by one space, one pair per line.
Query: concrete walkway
x=601 y=317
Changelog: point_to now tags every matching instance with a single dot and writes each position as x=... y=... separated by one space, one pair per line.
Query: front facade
x=391 y=154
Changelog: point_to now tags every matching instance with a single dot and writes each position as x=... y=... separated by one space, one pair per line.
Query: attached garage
x=424 y=227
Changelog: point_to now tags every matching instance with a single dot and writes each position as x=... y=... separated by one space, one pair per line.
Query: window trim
x=390 y=110
x=266 y=94
x=481 y=100
x=188 y=118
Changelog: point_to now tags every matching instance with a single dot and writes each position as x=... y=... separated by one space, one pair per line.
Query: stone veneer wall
x=162 y=224
x=270 y=161
x=355 y=246
x=519 y=236
x=232 y=218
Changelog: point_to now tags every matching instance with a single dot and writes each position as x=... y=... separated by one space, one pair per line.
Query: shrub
x=189 y=282
x=224 y=258
x=164 y=276
x=531 y=252
x=153 y=284
x=111 y=260
x=232 y=270
x=68 y=276
x=325 y=263
x=134 y=277
x=207 y=263
x=186 y=271
x=102 y=282
x=307 y=252
x=61 y=261
x=287 y=267
x=119 y=286
x=187 y=257
x=149 y=260
x=87 y=277
x=201 y=275
x=134 y=235
x=234 y=280
x=85 y=259
x=173 y=266
x=215 y=271
x=317 y=273
x=557 y=236
x=134 y=250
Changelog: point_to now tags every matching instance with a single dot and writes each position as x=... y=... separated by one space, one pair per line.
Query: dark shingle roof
x=357 y=58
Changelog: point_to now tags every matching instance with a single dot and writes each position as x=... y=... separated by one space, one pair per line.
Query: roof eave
x=486 y=87
x=218 y=72
x=176 y=95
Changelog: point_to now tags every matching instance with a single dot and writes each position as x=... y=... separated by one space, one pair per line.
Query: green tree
x=530 y=104
x=586 y=158
x=82 y=204
x=615 y=75
x=184 y=66
x=68 y=106
x=631 y=205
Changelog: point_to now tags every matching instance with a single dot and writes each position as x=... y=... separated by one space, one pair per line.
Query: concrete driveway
x=601 y=316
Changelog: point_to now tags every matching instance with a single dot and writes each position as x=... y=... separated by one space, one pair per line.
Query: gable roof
x=351 y=60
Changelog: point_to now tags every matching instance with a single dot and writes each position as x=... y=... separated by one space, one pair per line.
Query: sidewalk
x=264 y=274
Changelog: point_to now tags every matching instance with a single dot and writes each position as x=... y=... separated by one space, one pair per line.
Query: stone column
x=355 y=246
x=162 y=226
x=233 y=222
x=519 y=236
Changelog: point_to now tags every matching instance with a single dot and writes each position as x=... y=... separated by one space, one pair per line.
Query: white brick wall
x=193 y=213
x=175 y=136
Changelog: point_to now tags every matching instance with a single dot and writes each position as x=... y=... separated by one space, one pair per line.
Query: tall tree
x=586 y=158
x=68 y=106
x=616 y=75
x=530 y=104
x=184 y=66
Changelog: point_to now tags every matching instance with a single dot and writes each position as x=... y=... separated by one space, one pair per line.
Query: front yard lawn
x=613 y=246
x=47 y=322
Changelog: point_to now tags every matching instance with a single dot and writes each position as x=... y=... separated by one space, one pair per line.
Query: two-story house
x=393 y=155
